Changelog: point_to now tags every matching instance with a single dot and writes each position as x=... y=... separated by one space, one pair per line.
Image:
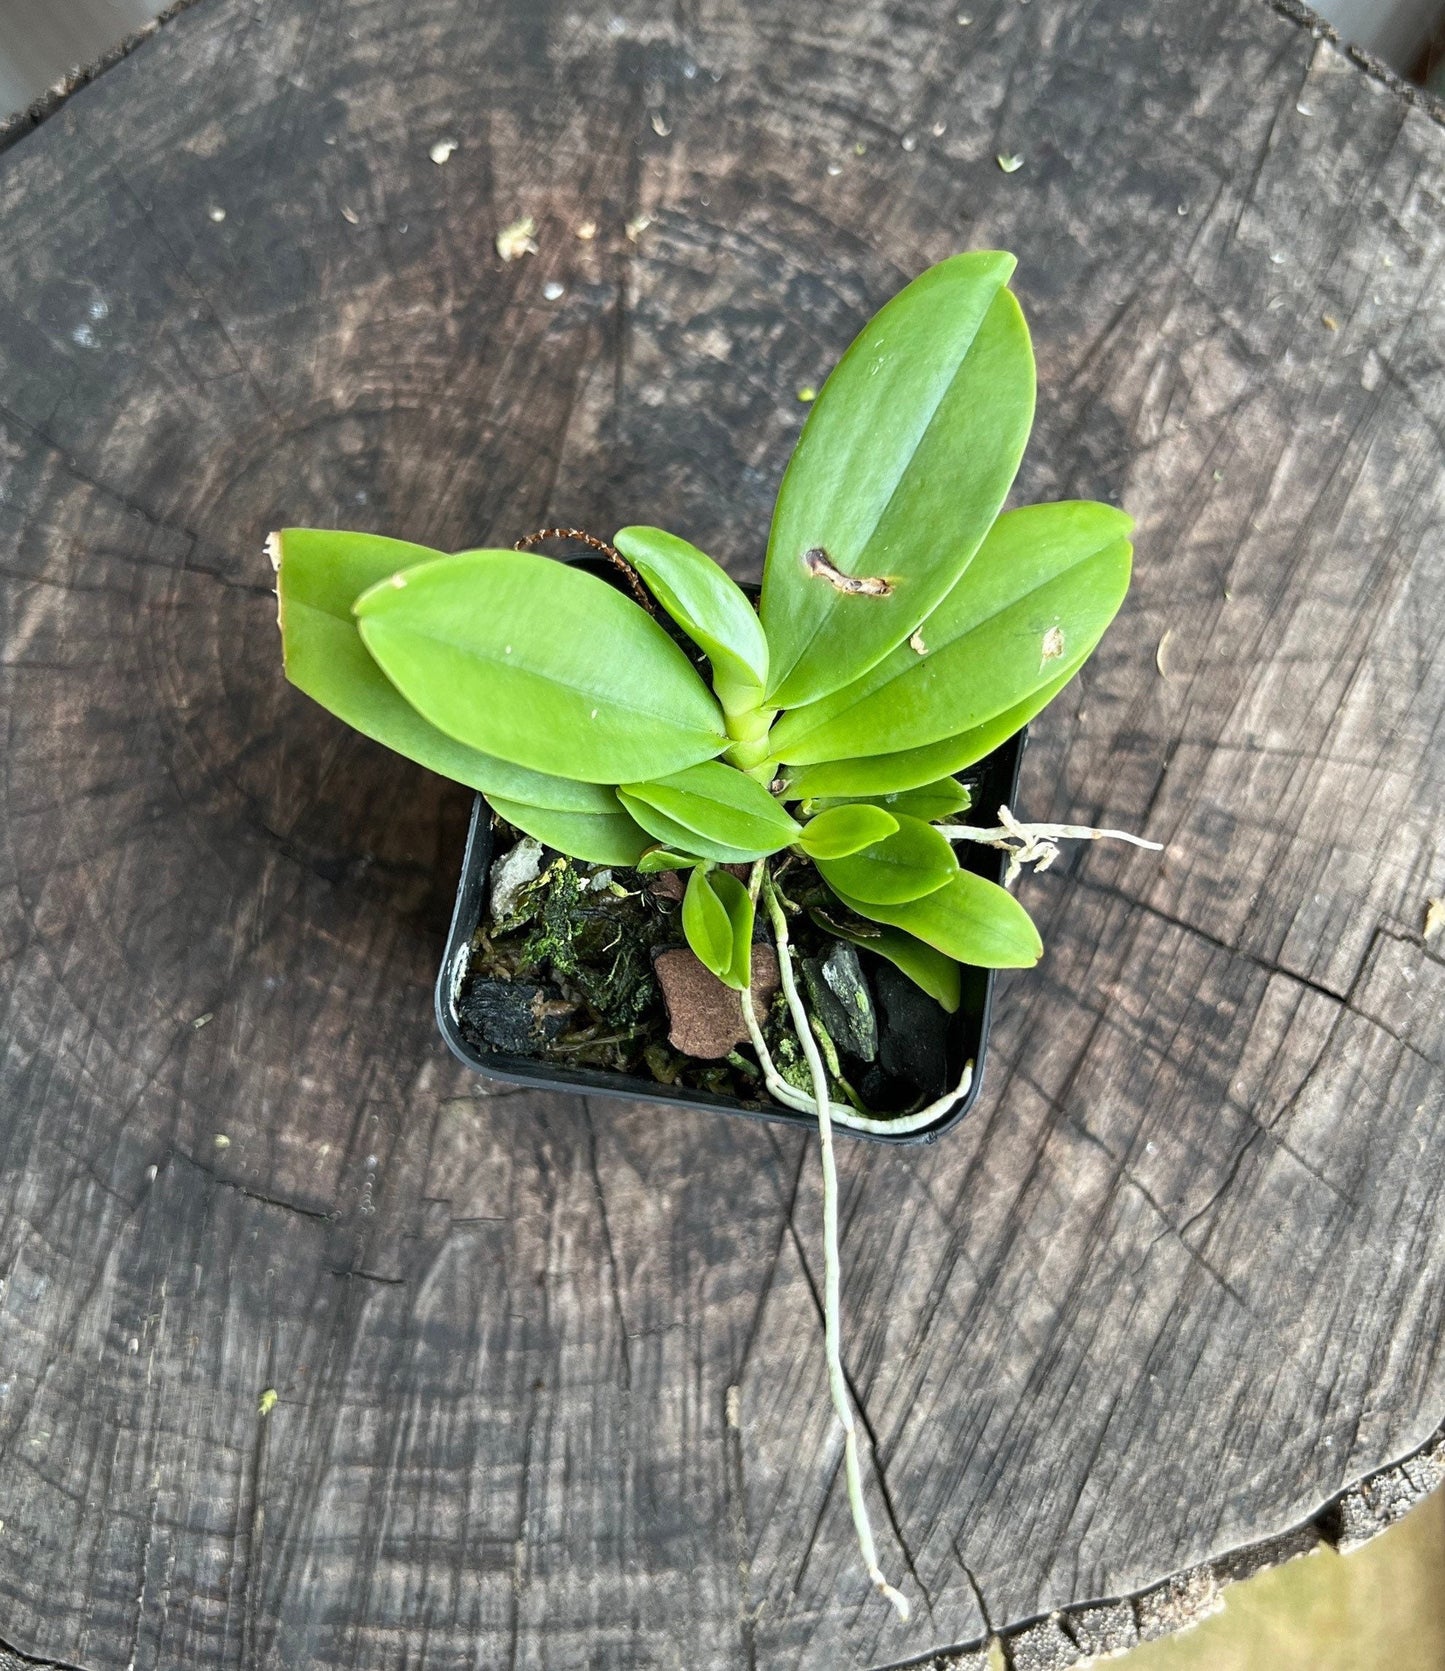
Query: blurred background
x=44 y=41
x=1379 y=1609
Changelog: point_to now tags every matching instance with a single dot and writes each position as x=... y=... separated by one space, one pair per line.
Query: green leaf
x=717 y=918
x=657 y=859
x=882 y=774
x=542 y=664
x=320 y=573
x=970 y=919
x=1047 y=581
x=913 y=861
x=838 y=831
x=936 y=974
x=901 y=467
x=681 y=841
x=709 y=606
x=728 y=815
x=930 y=801
x=738 y=903
x=603 y=838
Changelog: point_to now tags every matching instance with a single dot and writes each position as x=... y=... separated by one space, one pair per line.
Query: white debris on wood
x=442 y=150
x=517 y=239
x=1159 y=653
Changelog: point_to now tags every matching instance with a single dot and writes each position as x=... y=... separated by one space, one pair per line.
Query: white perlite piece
x=510 y=874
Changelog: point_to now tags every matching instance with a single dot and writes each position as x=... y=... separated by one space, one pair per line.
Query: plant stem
x=832 y=1284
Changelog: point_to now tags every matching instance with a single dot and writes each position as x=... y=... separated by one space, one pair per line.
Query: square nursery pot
x=963 y=1036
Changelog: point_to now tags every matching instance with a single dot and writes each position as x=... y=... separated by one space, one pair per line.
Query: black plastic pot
x=965 y=1033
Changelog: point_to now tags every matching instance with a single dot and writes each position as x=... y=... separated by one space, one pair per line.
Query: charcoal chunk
x=913 y=1037
x=842 y=1002
x=516 y=1017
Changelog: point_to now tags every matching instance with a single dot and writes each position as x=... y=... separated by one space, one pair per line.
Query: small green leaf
x=657 y=859
x=709 y=606
x=881 y=774
x=936 y=974
x=602 y=838
x=841 y=830
x=1047 y=581
x=913 y=861
x=970 y=919
x=727 y=815
x=541 y=664
x=320 y=573
x=931 y=802
x=901 y=467
x=706 y=924
x=738 y=903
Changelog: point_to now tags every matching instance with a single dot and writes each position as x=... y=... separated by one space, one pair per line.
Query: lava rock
x=842 y=1002
x=518 y=1018
x=912 y=1044
x=669 y=884
x=706 y=1017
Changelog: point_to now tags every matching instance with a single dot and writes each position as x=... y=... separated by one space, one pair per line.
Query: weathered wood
x=1173 y=1286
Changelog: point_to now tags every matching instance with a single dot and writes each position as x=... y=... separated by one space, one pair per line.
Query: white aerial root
x=832 y=1299
x=1035 y=844
x=1026 y=844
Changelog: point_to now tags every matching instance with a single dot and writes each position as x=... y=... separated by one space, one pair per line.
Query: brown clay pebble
x=668 y=884
x=706 y=1016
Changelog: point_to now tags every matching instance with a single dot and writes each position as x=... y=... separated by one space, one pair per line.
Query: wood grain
x=1172 y=1288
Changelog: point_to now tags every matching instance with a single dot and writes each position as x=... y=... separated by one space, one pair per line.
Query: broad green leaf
x=930 y=801
x=1047 y=581
x=881 y=774
x=838 y=831
x=719 y=805
x=738 y=903
x=913 y=861
x=602 y=838
x=542 y=664
x=709 y=606
x=706 y=924
x=901 y=468
x=657 y=859
x=686 y=843
x=970 y=919
x=936 y=974
x=320 y=573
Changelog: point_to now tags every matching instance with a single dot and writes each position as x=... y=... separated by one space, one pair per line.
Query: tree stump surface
x=1176 y=1285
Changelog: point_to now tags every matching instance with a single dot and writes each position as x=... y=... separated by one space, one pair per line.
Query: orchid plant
x=907 y=626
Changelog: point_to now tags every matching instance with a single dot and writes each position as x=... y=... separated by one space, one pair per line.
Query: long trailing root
x=1035 y=844
x=832 y=1300
x=1026 y=844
